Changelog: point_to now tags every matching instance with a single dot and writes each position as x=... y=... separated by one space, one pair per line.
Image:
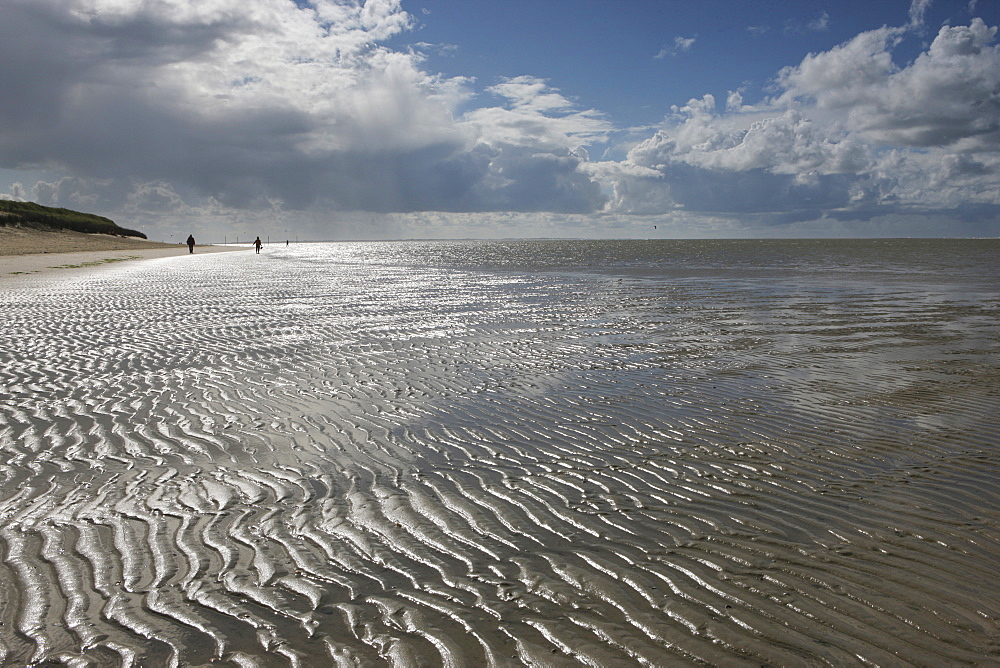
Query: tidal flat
x=537 y=453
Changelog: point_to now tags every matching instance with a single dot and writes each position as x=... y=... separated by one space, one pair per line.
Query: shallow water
x=506 y=453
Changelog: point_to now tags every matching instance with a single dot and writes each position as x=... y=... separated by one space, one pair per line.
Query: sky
x=385 y=119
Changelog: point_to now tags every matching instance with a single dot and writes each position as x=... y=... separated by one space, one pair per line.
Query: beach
x=538 y=453
x=25 y=251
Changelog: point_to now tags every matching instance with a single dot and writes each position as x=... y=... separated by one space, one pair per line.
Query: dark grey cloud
x=256 y=101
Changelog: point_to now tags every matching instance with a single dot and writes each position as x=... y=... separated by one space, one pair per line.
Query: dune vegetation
x=29 y=214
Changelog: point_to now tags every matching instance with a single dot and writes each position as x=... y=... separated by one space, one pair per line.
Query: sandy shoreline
x=26 y=251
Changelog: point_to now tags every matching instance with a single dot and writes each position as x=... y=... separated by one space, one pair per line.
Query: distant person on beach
x=257 y=244
x=190 y=243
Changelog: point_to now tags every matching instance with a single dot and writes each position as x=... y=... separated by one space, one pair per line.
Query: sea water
x=505 y=453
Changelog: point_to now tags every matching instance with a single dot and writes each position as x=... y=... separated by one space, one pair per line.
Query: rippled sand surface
x=523 y=453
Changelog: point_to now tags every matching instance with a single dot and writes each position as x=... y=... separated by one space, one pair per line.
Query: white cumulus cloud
x=849 y=133
x=222 y=108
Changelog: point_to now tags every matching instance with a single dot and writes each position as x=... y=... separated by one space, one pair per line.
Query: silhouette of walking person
x=190 y=243
x=257 y=244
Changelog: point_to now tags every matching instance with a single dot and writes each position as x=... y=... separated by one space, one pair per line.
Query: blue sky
x=635 y=59
x=332 y=119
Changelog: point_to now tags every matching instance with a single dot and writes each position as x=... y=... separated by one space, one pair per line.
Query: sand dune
x=16 y=240
x=319 y=457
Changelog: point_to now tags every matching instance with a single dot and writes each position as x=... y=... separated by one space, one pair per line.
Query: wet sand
x=333 y=455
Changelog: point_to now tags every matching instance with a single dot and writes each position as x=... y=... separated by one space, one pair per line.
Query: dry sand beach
x=501 y=454
x=31 y=251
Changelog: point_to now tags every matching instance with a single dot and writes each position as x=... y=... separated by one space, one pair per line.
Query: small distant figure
x=257 y=244
x=286 y=242
x=190 y=243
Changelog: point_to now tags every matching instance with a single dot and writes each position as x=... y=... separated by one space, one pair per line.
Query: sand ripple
x=311 y=458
